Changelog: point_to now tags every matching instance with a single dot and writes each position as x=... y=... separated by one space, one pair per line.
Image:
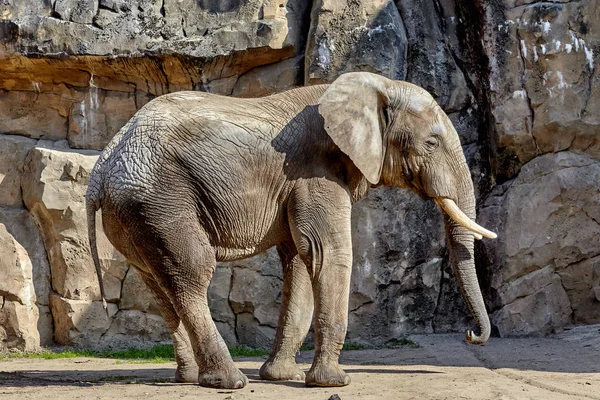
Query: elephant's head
x=396 y=134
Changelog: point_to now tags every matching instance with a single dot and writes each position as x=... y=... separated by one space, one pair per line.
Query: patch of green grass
x=353 y=346
x=50 y=355
x=402 y=342
x=155 y=355
x=347 y=346
x=243 y=351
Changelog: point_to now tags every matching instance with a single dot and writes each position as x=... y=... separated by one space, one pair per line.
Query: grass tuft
x=402 y=342
x=243 y=351
x=353 y=346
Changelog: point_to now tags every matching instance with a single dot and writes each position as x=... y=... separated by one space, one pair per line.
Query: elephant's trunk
x=460 y=243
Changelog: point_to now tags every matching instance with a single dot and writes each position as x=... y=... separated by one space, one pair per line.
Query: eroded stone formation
x=519 y=79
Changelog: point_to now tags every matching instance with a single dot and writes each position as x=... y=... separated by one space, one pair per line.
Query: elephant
x=194 y=178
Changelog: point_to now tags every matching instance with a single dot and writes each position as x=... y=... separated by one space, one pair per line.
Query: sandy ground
x=565 y=366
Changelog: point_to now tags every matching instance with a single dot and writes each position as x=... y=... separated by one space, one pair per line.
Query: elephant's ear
x=351 y=109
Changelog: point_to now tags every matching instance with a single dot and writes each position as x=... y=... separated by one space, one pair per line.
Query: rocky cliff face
x=518 y=78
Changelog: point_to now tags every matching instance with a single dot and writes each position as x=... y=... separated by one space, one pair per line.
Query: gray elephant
x=195 y=178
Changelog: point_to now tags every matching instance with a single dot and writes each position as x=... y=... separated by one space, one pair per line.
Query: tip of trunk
x=473 y=338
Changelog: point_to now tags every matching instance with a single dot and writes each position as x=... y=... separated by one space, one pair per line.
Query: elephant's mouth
x=454 y=212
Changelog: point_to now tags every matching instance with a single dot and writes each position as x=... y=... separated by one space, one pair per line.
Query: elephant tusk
x=450 y=208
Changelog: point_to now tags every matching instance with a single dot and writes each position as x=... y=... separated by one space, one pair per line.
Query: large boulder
x=25 y=319
x=13 y=151
x=543 y=78
x=54 y=186
x=400 y=282
x=350 y=36
x=545 y=267
x=254 y=297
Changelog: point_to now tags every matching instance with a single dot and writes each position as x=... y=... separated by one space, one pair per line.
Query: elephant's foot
x=187 y=374
x=327 y=375
x=226 y=377
x=281 y=370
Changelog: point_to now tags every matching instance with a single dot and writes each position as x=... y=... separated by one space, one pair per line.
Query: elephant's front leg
x=294 y=318
x=320 y=224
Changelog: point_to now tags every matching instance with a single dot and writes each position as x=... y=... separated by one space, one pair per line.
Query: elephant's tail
x=92 y=200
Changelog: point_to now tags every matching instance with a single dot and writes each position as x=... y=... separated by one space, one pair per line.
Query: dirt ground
x=564 y=366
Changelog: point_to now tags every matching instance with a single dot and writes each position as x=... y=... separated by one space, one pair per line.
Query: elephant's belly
x=245 y=237
x=224 y=254
x=246 y=215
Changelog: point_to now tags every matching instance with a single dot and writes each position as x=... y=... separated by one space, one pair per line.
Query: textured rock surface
x=519 y=79
x=13 y=151
x=254 y=298
x=354 y=35
x=25 y=321
x=545 y=265
x=55 y=181
x=544 y=79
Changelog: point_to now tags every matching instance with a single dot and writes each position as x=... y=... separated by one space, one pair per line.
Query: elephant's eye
x=431 y=143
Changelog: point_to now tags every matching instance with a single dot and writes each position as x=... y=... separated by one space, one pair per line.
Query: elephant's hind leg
x=294 y=318
x=182 y=261
x=187 y=369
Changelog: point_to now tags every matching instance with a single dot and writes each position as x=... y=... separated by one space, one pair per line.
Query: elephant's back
x=191 y=138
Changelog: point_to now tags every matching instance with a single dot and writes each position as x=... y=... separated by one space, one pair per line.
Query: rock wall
x=519 y=79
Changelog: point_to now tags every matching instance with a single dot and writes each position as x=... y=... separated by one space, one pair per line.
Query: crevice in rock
x=439 y=297
x=360 y=306
x=589 y=216
x=123 y=284
x=102 y=6
x=162 y=11
x=407 y=65
x=95 y=24
x=304 y=32
x=475 y=64
x=112 y=320
x=230 y=303
x=165 y=76
x=523 y=60
x=572 y=315
x=588 y=257
x=589 y=71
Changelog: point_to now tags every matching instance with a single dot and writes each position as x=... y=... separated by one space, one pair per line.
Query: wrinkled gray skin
x=195 y=178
